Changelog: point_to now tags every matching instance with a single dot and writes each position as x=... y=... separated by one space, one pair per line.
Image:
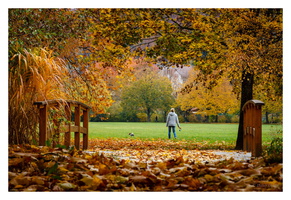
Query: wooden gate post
x=252 y=140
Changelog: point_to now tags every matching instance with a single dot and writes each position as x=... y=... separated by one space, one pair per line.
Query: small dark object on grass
x=131 y=134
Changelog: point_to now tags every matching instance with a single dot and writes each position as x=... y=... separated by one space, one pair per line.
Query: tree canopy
x=148 y=94
x=242 y=44
x=219 y=100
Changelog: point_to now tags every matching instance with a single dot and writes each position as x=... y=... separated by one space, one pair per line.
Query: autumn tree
x=256 y=48
x=147 y=94
x=244 y=45
x=51 y=58
x=220 y=99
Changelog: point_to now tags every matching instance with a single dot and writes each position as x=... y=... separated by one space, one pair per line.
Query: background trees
x=244 y=45
x=146 y=95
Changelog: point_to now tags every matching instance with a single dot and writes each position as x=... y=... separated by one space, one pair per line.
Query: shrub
x=274 y=152
x=142 y=117
x=222 y=119
x=235 y=119
x=181 y=118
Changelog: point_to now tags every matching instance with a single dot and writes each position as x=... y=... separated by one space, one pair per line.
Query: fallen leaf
x=208 y=178
x=20 y=180
x=138 y=179
x=38 y=180
x=67 y=186
x=87 y=180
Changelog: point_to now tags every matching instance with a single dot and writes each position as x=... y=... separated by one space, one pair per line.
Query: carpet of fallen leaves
x=129 y=143
x=151 y=167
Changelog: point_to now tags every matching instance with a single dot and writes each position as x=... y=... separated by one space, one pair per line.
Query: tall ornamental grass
x=33 y=76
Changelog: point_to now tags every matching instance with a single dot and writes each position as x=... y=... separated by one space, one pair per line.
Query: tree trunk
x=267 y=119
x=165 y=116
x=246 y=95
x=206 y=119
x=149 y=114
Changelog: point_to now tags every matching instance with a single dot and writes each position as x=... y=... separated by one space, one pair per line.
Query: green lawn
x=199 y=132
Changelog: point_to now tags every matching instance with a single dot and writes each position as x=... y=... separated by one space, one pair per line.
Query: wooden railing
x=43 y=107
x=252 y=140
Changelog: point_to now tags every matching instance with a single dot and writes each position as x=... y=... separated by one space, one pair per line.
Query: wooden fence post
x=252 y=140
x=85 y=125
x=77 y=123
x=42 y=124
x=68 y=133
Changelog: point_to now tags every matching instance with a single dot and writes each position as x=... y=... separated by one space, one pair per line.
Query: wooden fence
x=252 y=140
x=43 y=107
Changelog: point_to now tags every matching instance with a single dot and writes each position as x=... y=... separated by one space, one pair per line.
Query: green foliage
x=274 y=152
x=44 y=27
x=48 y=143
x=53 y=169
x=142 y=117
x=61 y=146
x=146 y=95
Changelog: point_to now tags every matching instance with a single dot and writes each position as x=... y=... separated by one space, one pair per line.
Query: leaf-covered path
x=33 y=168
x=197 y=156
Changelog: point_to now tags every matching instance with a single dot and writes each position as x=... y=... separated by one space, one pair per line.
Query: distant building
x=177 y=76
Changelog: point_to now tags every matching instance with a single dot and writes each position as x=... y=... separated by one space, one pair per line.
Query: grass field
x=199 y=132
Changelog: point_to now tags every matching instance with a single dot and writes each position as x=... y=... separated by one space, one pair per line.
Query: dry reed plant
x=33 y=76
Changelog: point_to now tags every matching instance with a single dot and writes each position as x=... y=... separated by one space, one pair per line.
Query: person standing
x=172 y=121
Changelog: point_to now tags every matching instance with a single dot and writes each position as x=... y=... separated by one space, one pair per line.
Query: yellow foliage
x=219 y=99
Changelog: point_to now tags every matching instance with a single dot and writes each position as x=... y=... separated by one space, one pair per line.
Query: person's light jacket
x=172 y=119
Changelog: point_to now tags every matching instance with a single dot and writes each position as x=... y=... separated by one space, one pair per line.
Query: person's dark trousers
x=174 y=131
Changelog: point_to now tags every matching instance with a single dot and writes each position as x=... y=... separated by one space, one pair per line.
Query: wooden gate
x=252 y=140
x=43 y=107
